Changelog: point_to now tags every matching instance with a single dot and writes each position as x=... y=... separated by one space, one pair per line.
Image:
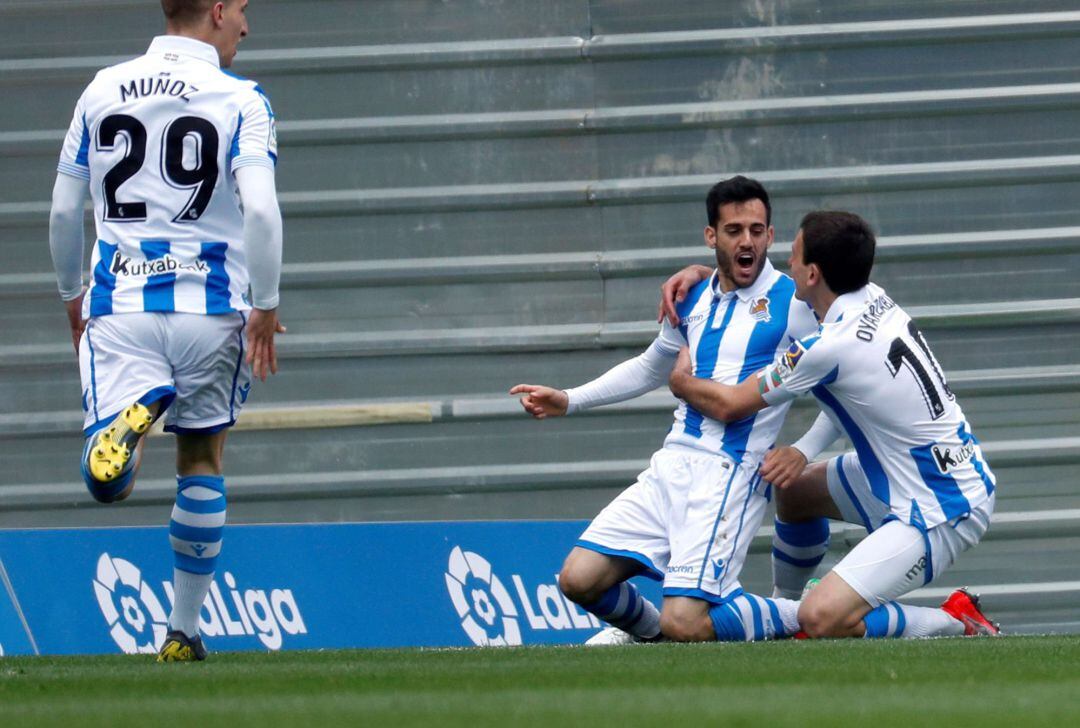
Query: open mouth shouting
x=745 y=265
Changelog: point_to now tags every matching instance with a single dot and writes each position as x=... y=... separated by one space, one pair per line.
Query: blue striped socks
x=623 y=606
x=195 y=531
x=893 y=619
x=747 y=617
x=798 y=548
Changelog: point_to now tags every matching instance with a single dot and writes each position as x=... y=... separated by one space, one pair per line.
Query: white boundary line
x=18 y=607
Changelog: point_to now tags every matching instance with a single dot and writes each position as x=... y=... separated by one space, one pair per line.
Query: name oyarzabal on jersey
x=876 y=378
x=159 y=138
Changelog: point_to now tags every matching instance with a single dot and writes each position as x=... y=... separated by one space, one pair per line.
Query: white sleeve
x=73 y=155
x=820 y=435
x=255 y=143
x=806 y=363
x=630 y=379
x=262 y=233
x=670 y=339
x=66 y=233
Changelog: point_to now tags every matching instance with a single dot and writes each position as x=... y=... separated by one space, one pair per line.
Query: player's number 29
x=200 y=179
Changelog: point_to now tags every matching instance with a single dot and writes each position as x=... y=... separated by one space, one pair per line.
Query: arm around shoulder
x=723 y=402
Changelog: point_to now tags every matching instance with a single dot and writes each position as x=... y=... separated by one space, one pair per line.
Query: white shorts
x=193 y=363
x=850 y=491
x=689 y=519
x=896 y=557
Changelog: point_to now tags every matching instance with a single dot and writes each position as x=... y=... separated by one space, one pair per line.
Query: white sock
x=929 y=622
x=189 y=591
x=902 y=620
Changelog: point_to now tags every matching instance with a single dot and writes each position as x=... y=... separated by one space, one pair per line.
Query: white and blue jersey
x=732 y=336
x=877 y=380
x=158 y=139
x=691 y=515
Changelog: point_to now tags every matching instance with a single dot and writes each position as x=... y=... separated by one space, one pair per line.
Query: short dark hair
x=842 y=245
x=185 y=12
x=736 y=189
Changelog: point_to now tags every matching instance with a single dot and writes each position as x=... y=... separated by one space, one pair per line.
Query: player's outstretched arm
x=723 y=402
x=540 y=401
x=66 y=246
x=676 y=288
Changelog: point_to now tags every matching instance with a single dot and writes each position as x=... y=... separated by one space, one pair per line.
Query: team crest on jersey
x=759 y=309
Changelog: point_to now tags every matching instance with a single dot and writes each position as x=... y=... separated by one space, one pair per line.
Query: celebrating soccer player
x=917 y=480
x=690 y=517
x=178 y=156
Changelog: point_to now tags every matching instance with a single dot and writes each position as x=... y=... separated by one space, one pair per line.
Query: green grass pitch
x=1015 y=681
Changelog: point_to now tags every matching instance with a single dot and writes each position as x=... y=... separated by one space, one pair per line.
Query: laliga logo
x=487 y=612
x=138 y=623
x=125 y=599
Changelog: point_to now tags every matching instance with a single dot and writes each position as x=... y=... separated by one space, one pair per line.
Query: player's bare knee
x=786 y=509
x=577 y=586
x=681 y=626
x=816 y=619
x=682 y=623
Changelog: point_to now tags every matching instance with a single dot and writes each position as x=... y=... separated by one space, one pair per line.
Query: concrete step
x=618 y=142
x=578 y=288
x=569 y=71
x=1030 y=476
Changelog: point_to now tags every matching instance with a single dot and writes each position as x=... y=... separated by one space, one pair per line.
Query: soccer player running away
x=917 y=480
x=169 y=145
x=690 y=517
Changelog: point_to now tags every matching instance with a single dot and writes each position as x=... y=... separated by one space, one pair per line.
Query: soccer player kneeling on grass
x=169 y=145
x=690 y=517
x=917 y=479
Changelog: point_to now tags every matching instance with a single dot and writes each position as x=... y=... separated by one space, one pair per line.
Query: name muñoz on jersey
x=732 y=336
x=877 y=380
x=158 y=138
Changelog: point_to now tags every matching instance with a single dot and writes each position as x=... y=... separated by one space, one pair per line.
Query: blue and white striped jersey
x=732 y=336
x=877 y=380
x=158 y=138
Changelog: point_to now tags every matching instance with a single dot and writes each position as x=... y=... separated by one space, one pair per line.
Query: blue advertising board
x=92 y=591
x=14 y=636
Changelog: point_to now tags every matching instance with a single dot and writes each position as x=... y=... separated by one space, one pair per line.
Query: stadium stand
x=478 y=194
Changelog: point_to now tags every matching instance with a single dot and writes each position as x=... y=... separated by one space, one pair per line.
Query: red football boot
x=964 y=606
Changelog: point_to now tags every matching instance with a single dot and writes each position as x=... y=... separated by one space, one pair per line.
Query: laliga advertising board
x=94 y=591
